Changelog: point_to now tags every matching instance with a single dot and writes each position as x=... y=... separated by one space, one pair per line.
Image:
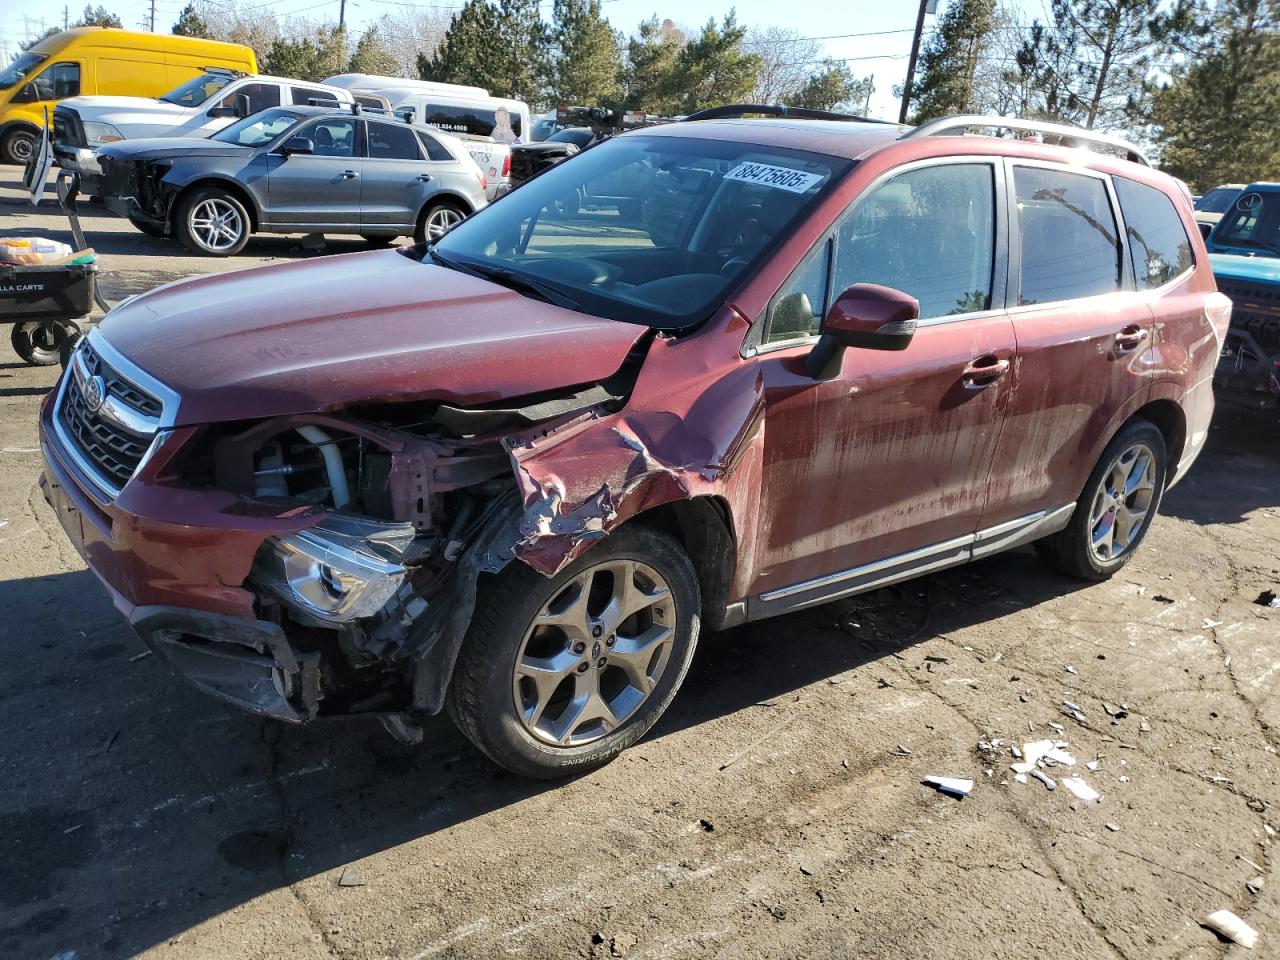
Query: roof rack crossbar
x=731 y=111
x=953 y=126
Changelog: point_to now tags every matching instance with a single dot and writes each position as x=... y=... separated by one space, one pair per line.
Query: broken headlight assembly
x=343 y=569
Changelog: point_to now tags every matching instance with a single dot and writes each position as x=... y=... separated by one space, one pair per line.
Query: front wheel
x=19 y=146
x=558 y=676
x=437 y=220
x=1116 y=508
x=212 y=221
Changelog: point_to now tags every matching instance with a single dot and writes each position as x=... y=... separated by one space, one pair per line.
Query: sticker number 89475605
x=784 y=178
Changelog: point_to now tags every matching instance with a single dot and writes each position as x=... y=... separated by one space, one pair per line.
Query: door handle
x=424 y=177
x=983 y=372
x=1130 y=337
x=349 y=175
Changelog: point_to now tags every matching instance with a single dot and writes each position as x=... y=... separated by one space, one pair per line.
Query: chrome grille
x=110 y=439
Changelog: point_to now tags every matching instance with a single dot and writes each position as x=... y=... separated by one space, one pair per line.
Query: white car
x=198 y=108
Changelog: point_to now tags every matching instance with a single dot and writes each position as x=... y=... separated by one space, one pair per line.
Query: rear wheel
x=437 y=219
x=558 y=676
x=212 y=221
x=19 y=146
x=1116 y=508
x=40 y=342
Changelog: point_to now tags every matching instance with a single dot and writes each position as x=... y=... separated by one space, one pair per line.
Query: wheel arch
x=231 y=186
x=451 y=196
x=1170 y=419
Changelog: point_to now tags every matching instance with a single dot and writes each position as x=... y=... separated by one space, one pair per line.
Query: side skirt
x=904 y=566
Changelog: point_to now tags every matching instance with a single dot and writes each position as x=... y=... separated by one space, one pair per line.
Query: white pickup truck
x=198 y=108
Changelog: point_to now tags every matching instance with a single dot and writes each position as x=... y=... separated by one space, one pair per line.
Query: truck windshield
x=20 y=69
x=258 y=129
x=1217 y=200
x=197 y=90
x=643 y=228
x=1253 y=222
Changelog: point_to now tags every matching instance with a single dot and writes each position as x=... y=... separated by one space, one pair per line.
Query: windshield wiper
x=507 y=278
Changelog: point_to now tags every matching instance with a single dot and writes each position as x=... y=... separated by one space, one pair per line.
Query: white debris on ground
x=956 y=786
x=1232 y=928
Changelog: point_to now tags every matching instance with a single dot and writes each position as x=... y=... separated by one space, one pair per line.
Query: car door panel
x=398 y=179
x=322 y=189
x=887 y=462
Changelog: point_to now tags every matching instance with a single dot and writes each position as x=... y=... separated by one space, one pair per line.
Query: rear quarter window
x=1158 y=243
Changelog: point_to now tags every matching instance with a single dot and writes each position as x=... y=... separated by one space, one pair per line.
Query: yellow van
x=100 y=60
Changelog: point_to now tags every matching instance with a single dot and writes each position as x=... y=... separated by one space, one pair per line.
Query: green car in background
x=1244 y=250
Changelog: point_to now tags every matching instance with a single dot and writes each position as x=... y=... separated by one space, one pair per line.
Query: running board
x=904 y=566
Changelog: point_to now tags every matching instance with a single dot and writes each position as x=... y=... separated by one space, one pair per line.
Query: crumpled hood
x=1262 y=268
x=336 y=331
x=164 y=148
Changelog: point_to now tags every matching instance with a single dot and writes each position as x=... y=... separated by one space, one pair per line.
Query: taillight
x=1217 y=310
x=506 y=165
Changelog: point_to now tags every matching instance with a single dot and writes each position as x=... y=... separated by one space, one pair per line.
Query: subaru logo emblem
x=95 y=392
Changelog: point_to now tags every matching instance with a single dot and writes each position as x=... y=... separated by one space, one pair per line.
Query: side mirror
x=219 y=113
x=298 y=145
x=28 y=94
x=243 y=105
x=866 y=315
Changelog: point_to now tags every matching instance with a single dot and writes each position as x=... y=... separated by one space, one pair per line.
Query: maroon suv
x=696 y=376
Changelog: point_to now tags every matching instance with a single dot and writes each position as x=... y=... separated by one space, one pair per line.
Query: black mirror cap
x=867 y=316
x=298 y=145
x=221 y=112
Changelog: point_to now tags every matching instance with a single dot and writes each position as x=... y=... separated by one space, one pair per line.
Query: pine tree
x=315 y=57
x=523 y=51
x=650 y=75
x=502 y=47
x=98 y=16
x=834 y=86
x=1218 y=120
x=371 y=56
x=587 y=62
x=949 y=62
x=191 y=24
x=714 y=68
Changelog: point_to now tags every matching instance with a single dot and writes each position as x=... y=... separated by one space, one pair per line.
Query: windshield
x=20 y=69
x=578 y=136
x=542 y=129
x=646 y=229
x=258 y=129
x=1253 y=222
x=477 y=121
x=197 y=90
x=1217 y=200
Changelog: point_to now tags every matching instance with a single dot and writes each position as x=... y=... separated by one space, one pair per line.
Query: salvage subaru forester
x=699 y=375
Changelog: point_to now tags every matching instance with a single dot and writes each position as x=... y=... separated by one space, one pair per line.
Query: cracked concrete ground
x=770 y=814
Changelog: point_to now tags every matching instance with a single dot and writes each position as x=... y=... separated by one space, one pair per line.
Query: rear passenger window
x=1158 y=243
x=929 y=232
x=261 y=96
x=435 y=149
x=305 y=96
x=1070 y=245
x=389 y=141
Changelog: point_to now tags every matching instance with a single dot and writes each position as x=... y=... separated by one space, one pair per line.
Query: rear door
x=397 y=176
x=1084 y=337
x=882 y=470
x=320 y=189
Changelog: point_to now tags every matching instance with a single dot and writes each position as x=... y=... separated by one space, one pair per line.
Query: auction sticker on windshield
x=784 y=178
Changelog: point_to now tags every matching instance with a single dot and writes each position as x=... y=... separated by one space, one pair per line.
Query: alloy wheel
x=441 y=221
x=216 y=224
x=594 y=653
x=1122 y=503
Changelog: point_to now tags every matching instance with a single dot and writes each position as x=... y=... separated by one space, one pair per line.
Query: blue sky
x=880 y=50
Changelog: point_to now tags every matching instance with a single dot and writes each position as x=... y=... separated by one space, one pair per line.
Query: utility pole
x=342 y=14
x=66 y=17
x=153 y=16
x=911 y=64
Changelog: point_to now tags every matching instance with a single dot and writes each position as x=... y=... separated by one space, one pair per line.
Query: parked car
x=543 y=126
x=530 y=159
x=103 y=61
x=1211 y=206
x=199 y=107
x=290 y=170
x=516 y=472
x=1244 y=250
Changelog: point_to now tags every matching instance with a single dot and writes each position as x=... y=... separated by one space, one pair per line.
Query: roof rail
x=955 y=126
x=735 y=110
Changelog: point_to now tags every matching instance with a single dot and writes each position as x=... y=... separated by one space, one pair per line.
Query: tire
x=40 y=342
x=532 y=729
x=437 y=219
x=150 y=229
x=68 y=347
x=1078 y=548
x=213 y=222
x=19 y=146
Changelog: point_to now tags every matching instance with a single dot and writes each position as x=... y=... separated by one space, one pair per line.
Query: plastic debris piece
x=140 y=656
x=1073 y=707
x=1020 y=777
x=1113 y=828
x=1161 y=598
x=1093 y=764
x=1043 y=778
x=1111 y=710
x=1081 y=790
x=1070 y=668
x=1268 y=598
x=1256 y=884
x=1057 y=726
x=351 y=877
x=954 y=785
x=1123 y=779
x=1058 y=755
x=903 y=751
x=1209 y=624
x=1144 y=726
x=1232 y=928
